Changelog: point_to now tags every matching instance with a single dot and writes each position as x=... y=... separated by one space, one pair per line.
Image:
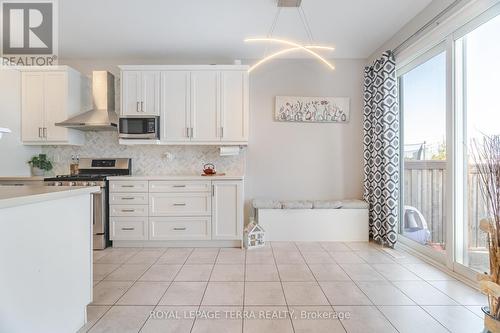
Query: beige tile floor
x=283 y=287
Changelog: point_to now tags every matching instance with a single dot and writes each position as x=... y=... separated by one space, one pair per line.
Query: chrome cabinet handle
x=222 y=132
x=137 y=107
x=191 y=136
x=44 y=132
x=179 y=204
x=187 y=132
x=142 y=107
x=128 y=229
x=127 y=185
x=127 y=198
x=179 y=229
x=128 y=210
x=179 y=186
x=39 y=132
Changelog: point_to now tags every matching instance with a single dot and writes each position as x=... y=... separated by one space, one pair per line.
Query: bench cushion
x=266 y=204
x=354 y=204
x=327 y=204
x=297 y=204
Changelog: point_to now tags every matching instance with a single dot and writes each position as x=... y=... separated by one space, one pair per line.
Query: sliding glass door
x=448 y=100
x=422 y=87
x=477 y=71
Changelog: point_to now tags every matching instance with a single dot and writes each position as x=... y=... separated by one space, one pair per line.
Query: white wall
x=304 y=160
x=13 y=155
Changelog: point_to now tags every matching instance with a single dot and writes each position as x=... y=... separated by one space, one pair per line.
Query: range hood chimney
x=103 y=117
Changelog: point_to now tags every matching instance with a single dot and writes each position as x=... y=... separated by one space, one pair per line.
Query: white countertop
x=22 y=195
x=28 y=178
x=178 y=177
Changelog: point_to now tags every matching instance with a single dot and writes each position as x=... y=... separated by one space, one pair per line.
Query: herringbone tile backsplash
x=147 y=160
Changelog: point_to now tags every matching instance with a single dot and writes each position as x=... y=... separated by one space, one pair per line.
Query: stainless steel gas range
x=94 y=172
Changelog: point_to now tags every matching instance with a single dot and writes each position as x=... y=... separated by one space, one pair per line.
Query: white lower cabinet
x=180 y=228
x=128 y=228
x=227 y=210
x=176 y=210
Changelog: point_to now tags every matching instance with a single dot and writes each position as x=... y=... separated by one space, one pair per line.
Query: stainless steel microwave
x=139 y=127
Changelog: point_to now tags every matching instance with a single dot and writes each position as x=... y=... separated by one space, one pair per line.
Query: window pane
x=479 y=54
x=423 y=101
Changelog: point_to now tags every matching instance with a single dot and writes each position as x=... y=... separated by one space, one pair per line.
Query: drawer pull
x=179 y=186
x=127 y=185
x=180 y=229
x=127 y=198
x=128 y=210
x=128 y=229
x=179 y=204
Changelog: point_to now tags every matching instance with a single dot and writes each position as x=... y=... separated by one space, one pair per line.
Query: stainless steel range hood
x=103 y=117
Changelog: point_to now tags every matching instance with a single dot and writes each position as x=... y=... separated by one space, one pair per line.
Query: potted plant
x=39 y=165
x=487 y=161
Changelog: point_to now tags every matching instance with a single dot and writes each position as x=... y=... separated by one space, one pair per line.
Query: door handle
x=142 y=107
x=187 y=132
x=191 y=133
x=128 y=229
x=222 y=132
x=179 y=229
x=44 y=132
x=39 y=132
x=179 y=204
x=137 y=107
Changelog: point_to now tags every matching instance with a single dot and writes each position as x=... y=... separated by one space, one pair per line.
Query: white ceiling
x=215 y=29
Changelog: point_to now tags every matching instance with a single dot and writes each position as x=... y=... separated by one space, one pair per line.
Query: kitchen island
x=45 y=258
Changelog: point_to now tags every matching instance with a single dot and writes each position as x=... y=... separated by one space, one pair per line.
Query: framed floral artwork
x=312 y=109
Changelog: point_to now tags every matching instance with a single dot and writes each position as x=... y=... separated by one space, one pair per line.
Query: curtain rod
x=433 y=21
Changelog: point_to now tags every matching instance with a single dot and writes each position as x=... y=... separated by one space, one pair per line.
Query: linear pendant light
x=294 y=46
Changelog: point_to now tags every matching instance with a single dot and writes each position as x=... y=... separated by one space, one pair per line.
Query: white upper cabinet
x=205 y=106
x=50 y=96
x=234 y=106
x=196 y=104
x=175 y=106
x=140 y=91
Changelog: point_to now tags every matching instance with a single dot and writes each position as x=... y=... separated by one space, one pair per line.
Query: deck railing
x=425 y=189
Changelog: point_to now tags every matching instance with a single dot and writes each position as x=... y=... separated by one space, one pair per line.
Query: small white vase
x=37 y=172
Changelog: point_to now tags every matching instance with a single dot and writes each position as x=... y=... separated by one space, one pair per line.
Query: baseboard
x=201 y=243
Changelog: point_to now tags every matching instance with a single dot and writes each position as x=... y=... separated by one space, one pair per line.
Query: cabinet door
x=32 y=106
x=234 y=106
x=204 y=106
x=131 y=93
x=227 y=210
x=175 y=106
x=150 y=93
x=56 y=93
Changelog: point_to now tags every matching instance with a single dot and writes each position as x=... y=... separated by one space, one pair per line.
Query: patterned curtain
x=381 y=149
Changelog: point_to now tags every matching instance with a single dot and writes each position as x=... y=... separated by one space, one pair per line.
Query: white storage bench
x=340 y=221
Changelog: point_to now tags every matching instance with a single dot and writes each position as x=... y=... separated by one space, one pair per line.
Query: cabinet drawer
x=185 y=204
x=128 y=186
x=179 y=228
x=128 y=210
x=128 y=198
x=179 y=186
x=128 y=228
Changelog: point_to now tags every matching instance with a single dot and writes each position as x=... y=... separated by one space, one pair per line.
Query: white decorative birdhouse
x=253 y=236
